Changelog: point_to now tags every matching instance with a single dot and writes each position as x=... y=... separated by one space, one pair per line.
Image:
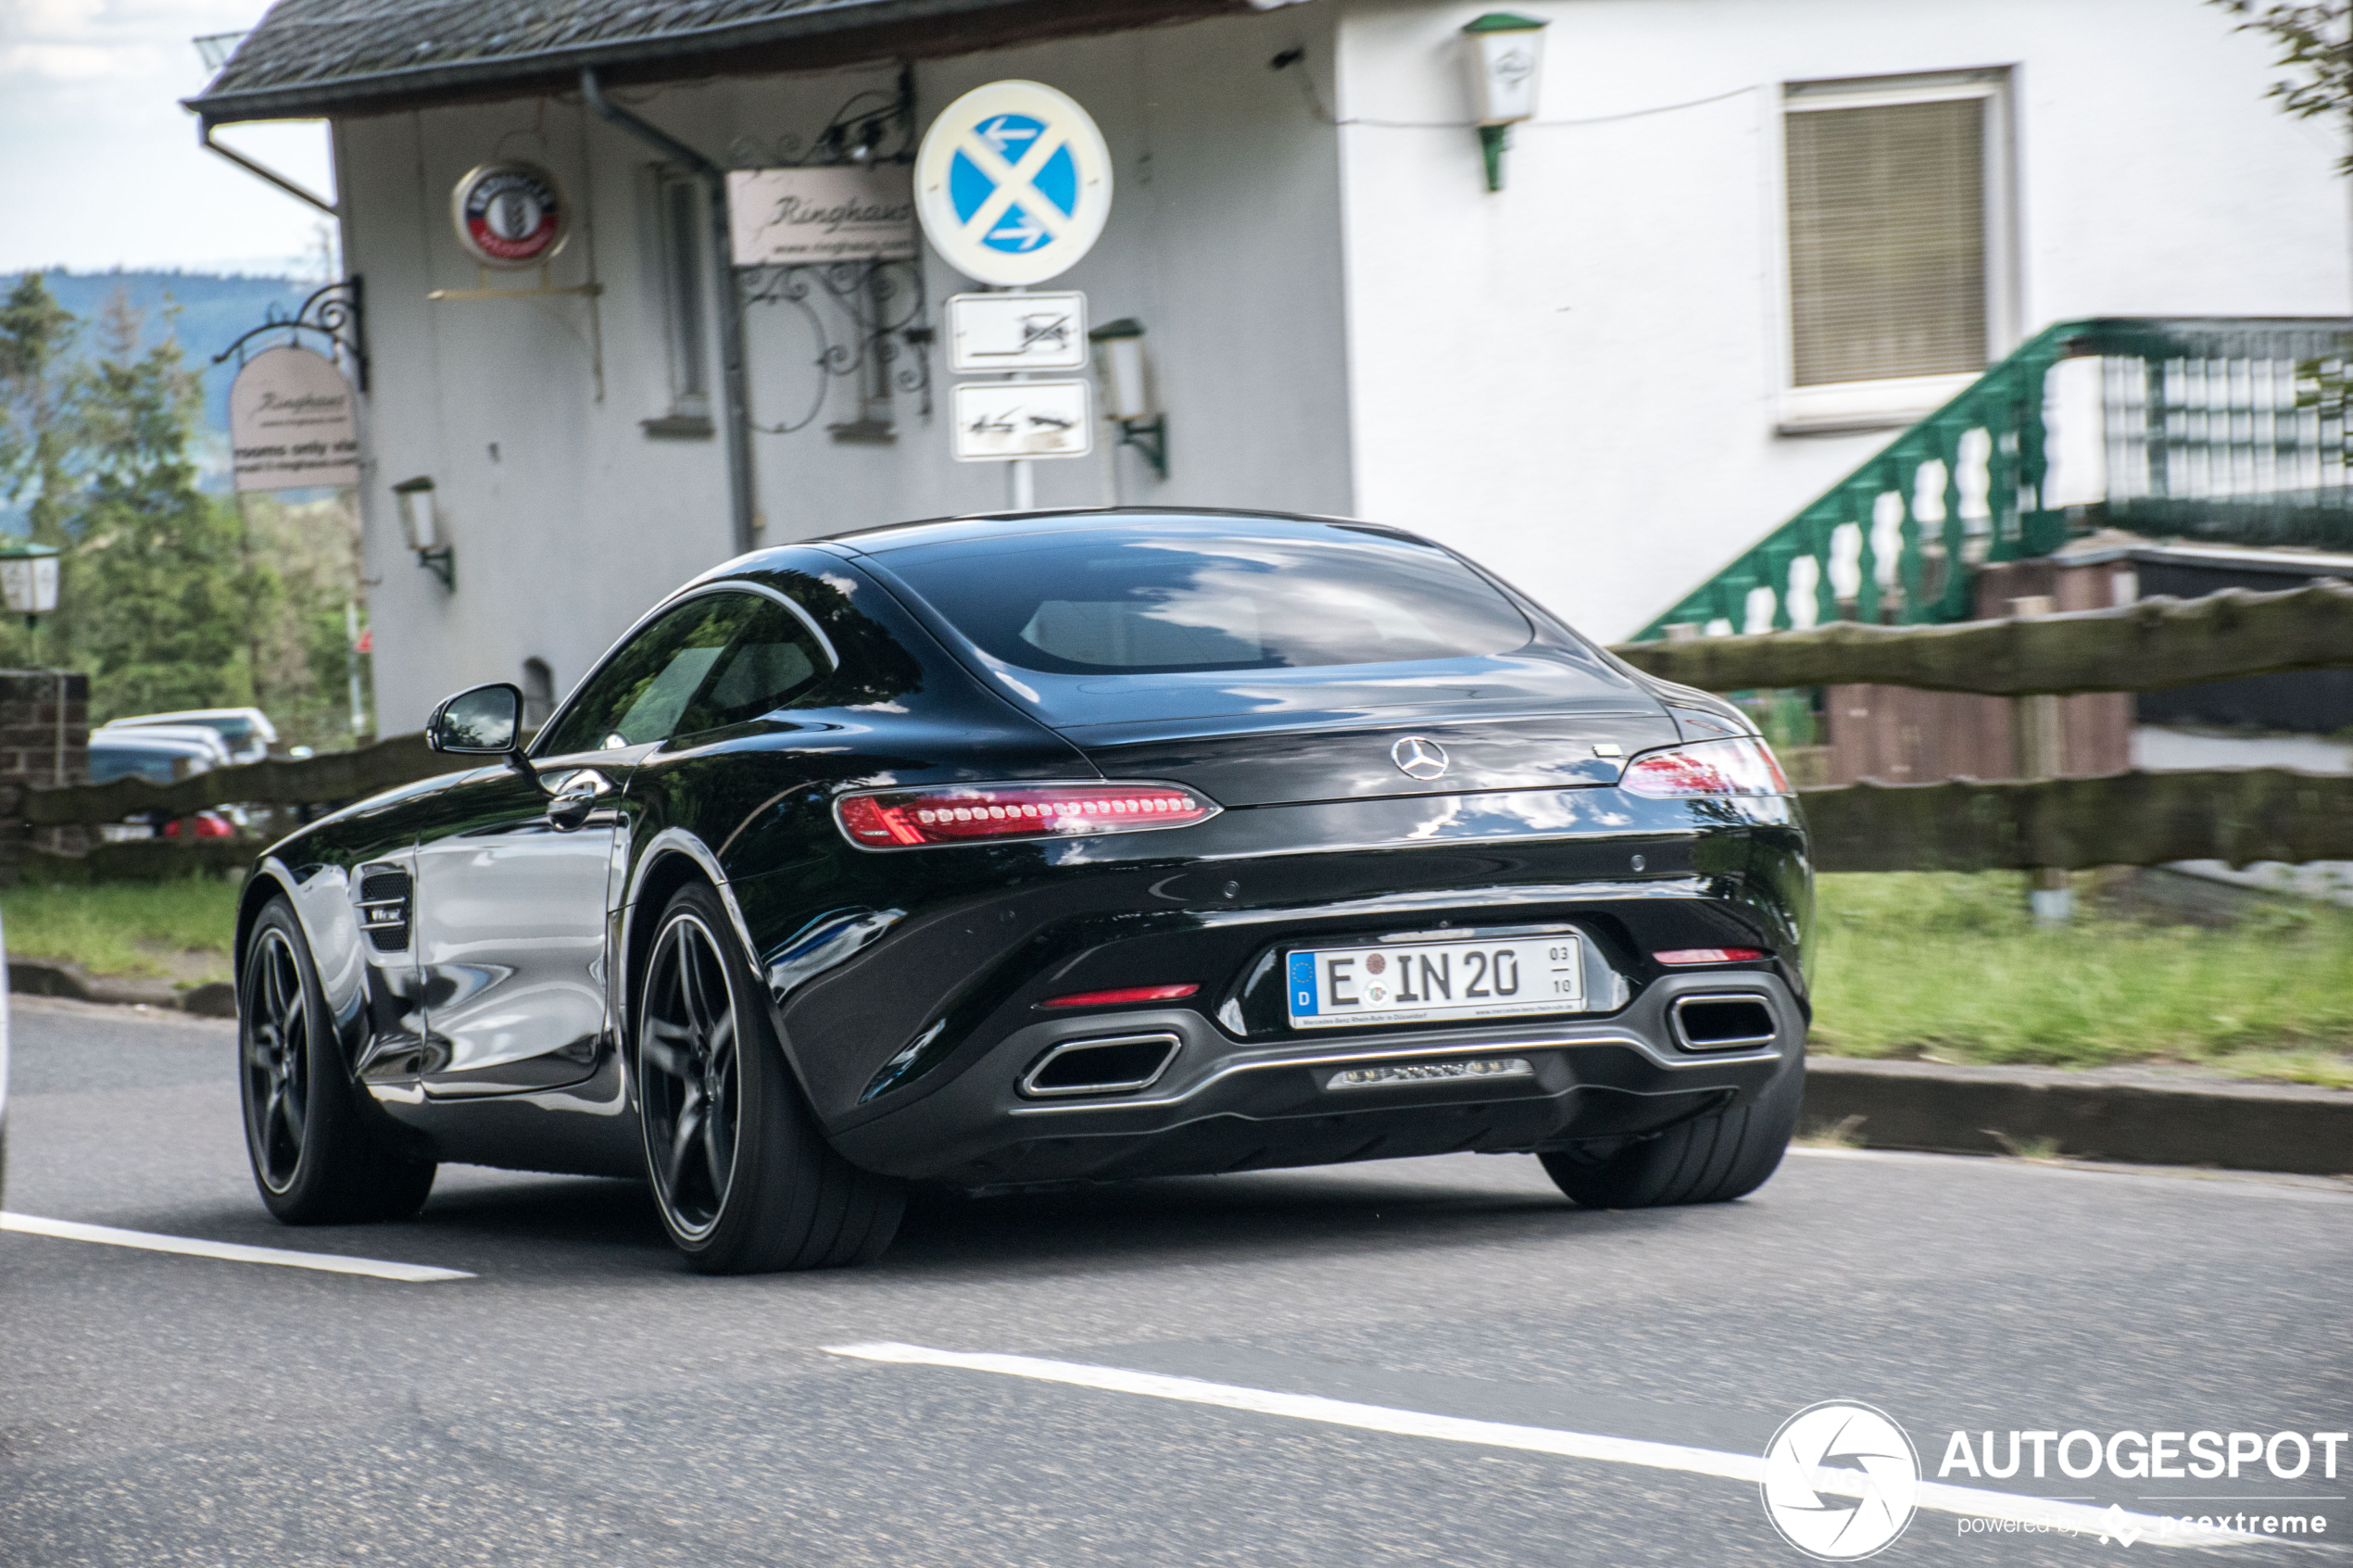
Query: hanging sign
x=801 y=216
x=1017 y=331
x=1000 y=420
x=1012 y=183
x=509 y=214
x=291 y=422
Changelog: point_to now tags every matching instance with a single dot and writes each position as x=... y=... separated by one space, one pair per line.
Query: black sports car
x=1035 y=848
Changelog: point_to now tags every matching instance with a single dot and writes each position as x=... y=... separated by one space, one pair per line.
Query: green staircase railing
x=2217 y=428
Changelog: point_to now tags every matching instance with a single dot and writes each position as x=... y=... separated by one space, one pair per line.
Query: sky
x=99 y=165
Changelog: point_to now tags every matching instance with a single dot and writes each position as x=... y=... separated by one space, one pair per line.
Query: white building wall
x=1577 y=379
x=1224 y=241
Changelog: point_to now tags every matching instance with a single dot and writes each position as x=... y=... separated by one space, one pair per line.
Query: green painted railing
x=2210 y=427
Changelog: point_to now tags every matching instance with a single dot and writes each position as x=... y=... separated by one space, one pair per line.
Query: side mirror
x=480 y=722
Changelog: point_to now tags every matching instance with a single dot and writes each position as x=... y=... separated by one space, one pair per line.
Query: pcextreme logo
x=1840 y=1481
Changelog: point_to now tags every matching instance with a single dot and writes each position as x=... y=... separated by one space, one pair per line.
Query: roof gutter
x=300 y=192
x=735 y=402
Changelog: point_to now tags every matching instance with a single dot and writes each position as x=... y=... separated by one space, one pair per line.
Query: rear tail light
x=1715 y=767
x=1679 y=956
x=909 y=819
x=1124 y=996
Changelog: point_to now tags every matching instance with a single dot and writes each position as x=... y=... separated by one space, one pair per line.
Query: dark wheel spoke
x=687 y=1074
x=663 y=1052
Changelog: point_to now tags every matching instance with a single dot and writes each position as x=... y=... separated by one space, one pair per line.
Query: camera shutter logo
x=1840 y=1480
x=509 y=214
x=1417 y=757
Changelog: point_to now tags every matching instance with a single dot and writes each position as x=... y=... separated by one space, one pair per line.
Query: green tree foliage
x=39 y=404
x=2315 y=43
x=170 y=598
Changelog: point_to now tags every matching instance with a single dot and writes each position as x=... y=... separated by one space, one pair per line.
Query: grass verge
x=173 y=930
x=1952 y=969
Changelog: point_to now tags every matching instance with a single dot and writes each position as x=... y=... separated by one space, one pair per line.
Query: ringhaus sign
x=291 y=422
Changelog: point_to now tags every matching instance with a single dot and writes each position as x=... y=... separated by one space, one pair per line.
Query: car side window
x=643 y=691
x=773 y=659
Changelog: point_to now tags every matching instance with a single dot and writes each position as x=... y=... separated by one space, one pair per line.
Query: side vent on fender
x=383 y=909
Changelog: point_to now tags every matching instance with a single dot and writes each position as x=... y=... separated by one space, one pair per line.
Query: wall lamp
x=421 y=526
x=1119 y=365
x=1507 y=68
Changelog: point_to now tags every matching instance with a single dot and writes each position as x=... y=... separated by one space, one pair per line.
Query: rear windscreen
x=1107 y=603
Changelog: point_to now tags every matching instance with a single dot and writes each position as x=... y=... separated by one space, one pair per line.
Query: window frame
x=831 y=666
x=682 y=286
x=1895 y=402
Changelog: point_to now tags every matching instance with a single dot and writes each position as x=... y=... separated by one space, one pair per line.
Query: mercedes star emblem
x=1417 y=758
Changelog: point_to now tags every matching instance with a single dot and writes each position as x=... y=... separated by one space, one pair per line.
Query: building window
x=681 y=262
x=538 y=693
x=1896 y=197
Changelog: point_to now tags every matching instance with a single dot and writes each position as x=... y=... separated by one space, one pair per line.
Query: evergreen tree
x=165 y=601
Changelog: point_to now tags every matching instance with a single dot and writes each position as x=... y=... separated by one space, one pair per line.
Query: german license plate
x=1433 y=982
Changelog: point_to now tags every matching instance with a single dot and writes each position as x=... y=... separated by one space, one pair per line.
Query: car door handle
x=573 y=803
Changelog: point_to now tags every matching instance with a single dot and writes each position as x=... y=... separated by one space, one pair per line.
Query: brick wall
x=30 y=733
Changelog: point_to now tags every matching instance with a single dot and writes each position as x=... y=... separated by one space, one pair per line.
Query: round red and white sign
x=509 y=214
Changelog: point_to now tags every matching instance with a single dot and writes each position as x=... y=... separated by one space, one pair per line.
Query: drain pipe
x=734 y=400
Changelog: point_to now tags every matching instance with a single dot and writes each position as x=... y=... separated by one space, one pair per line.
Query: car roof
x=252 y=716
x=887 y=537
x=122 y=740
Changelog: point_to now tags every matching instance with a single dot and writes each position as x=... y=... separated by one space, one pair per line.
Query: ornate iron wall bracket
x=1148 y=437
x=335 y=312
x=886 y=339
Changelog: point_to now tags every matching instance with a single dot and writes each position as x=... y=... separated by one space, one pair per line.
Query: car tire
x=742 y=1175
x=1708 y=1160
x=315 y=1157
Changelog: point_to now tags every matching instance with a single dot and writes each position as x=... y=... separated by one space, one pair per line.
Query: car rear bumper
x=1219 y=1104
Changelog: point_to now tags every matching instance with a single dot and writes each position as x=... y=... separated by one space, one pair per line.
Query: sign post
x=1013 y=187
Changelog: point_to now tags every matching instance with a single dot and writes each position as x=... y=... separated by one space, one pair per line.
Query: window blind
x=1887 y=241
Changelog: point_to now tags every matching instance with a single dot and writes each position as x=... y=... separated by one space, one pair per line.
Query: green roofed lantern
x=1506 y=67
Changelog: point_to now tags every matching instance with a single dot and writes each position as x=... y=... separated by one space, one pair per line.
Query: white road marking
x=326 y=1262
x=1750 y=1468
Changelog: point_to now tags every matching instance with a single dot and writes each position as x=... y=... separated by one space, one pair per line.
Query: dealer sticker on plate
x=1434 y=982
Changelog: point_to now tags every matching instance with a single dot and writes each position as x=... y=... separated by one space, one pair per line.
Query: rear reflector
x=1710 y=955
x=1121 y=998
x=908 y=819
x=1717 y=767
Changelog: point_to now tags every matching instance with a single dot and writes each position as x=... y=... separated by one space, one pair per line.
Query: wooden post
x=2042 y=745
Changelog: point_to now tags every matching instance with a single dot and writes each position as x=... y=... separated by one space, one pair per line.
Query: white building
x=1741 y=242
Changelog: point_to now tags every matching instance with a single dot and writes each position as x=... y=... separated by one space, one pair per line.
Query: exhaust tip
x=1722 y=1022
x=1121 y=1065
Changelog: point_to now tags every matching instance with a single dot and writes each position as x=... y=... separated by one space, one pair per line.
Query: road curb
x=2138 y=1116
x=36 y=978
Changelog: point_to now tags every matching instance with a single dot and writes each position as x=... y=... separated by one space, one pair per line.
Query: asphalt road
x=582 y=1401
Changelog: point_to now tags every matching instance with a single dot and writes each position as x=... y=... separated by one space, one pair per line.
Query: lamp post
x=1127 y=398
x=1507 y=68
x=28 y=581
x=421 y=526
x=29 y=587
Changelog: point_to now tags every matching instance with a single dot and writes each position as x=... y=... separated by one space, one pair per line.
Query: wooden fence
x=2238 y=815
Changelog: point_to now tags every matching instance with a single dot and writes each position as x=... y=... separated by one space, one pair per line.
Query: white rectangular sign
x=997 y=421
x=1017 y=331
x=809 y=217
x=291 y=422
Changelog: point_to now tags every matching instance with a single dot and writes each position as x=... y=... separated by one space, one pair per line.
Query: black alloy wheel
x=742 y=1175
x=316 y=1157
x=277 y=1059
x=691 y=1082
